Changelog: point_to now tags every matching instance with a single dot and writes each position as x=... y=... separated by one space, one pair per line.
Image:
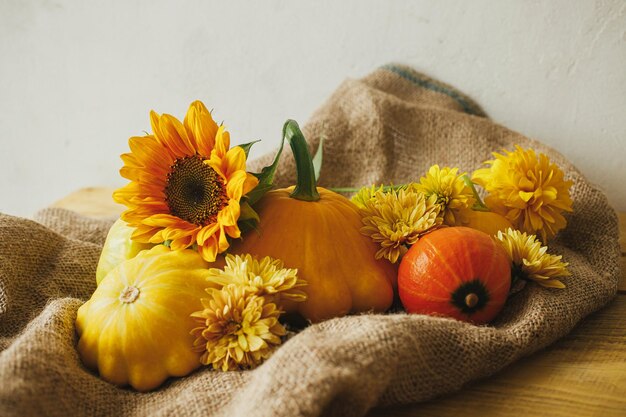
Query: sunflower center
x=194 y=191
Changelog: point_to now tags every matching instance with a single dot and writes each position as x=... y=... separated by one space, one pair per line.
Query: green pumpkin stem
x=306 y=188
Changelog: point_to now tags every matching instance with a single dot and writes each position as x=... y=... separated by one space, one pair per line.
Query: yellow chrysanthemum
x=454 y=197
x=397 y=219
x=186 y=183
x=364 y=195
x=267 y=277
x=238 y=330
x=531 y=261
x=529 y=190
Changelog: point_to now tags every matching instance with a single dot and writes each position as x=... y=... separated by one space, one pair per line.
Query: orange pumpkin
x=317 y=231
x=455 y=272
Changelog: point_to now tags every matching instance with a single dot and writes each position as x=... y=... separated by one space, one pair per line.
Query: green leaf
x=317 y=159
x=246 y=212
x=478 y=205
x=266 y=178
x=246 y=146
x=248 y=219
x=248 y=226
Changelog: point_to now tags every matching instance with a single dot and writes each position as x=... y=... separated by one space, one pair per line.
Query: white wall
x=77 y=79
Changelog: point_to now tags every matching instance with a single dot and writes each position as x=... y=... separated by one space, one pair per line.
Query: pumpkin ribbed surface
x=455 y=272
x=322 y=239
x=136 y=327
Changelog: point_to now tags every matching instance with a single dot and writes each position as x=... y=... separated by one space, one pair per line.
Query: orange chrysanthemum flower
x=186 y=183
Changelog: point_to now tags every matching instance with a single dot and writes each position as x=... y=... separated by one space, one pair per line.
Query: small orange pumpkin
x=455 y=272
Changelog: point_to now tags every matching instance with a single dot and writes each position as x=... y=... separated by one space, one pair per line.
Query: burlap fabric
x=388 y=127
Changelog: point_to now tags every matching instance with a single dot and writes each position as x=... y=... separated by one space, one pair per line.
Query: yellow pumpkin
x=487 y=222
x=117 y=248
x=136 y=327
x=318 y=232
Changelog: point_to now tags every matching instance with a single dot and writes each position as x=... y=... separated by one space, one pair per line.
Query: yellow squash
x=136 y=327
x=318 y=232
x=487 y=222
x=118 y=247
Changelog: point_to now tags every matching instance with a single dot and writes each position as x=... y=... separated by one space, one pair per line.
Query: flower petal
x=234 y=186
x=222 y=241
x=222 y=141
x=235 y=160
x=206 y=233
x=164 y=220
x=151 y=154
x=208 y=250
x=201 y=127
x=229 y=214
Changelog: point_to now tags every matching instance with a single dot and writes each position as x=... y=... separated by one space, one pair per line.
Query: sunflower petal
x=222 y=141
x=201 y=127
x=174 y=136
x=250 y=183
x=222 y=241
x=208 y=250
x=206 y=232
x=151 y=155
x=215 y=162
x=235 y=184
x=235 y=160
x=182 y=243
x=229 y=214
x=164 y=220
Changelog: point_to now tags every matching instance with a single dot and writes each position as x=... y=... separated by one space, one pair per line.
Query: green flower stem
x=346 y=190
x=305 y=189
x=479 y=205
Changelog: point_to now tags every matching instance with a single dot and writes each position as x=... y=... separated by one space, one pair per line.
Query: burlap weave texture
x=387 y=127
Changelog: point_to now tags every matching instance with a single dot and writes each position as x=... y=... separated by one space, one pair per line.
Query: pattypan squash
x=317 y=231
x=118 y=247
x=136 y=327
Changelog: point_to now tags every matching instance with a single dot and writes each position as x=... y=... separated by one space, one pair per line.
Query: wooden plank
x=583 y=374
x=91 y=202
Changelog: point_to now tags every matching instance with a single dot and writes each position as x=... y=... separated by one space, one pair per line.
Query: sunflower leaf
x=248 y=225
x=317 y=159
x=266 y=178
x=246 y=146
x=248 y=213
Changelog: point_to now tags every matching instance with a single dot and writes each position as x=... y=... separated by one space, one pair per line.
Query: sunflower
x=237 y=329
x=186 y=183
x=531 y=261
x=396 y=219
x=528 y=189
x=454 y=197
x=266 y=277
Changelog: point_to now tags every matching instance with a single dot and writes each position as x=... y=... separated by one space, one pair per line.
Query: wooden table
x=583 y=374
